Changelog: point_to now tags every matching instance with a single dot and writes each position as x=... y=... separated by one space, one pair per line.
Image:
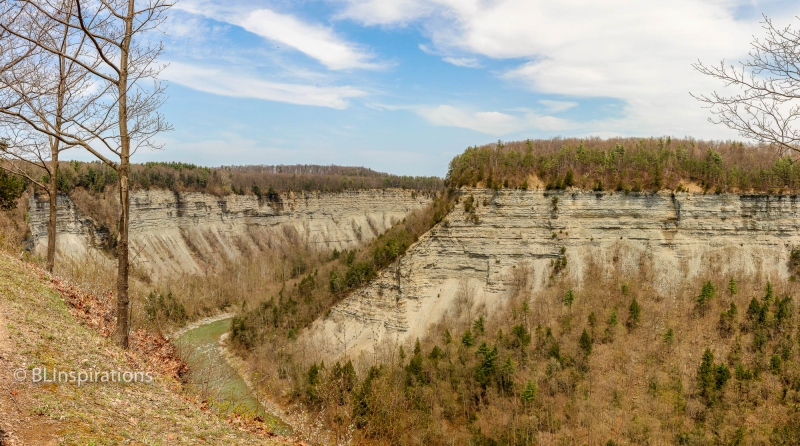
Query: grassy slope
x=37 y=330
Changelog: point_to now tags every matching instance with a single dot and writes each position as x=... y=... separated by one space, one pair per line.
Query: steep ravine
x=175 y=233
x=680 y=236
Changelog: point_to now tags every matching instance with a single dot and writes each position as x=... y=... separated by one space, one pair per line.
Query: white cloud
x=314 y=40
x=386 y=12
x=639 y=53
x=557 y=106
x=466 y=62
x=491 y=122
x=230 y=81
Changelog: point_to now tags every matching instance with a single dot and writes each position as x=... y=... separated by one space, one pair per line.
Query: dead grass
x=43 y=333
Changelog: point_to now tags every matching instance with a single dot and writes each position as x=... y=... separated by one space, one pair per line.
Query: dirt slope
x=37 y=330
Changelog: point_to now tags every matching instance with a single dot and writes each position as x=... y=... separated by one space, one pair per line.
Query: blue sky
x=404 y=85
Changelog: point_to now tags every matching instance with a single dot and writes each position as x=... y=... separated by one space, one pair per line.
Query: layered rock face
x=477 y=257
x=76 y=232
x=178 y=233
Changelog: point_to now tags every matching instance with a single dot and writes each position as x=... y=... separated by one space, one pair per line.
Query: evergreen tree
x=634 y=315
x=707 y=293
x=733 y=289
x=706 y=376
x=585 y=343
x=467 y=339
x=569 y=298
x=478 y=325
x=529 y=393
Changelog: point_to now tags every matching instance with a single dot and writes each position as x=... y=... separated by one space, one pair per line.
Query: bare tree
x=127 y=118
x=41 y=95
x=765 y=108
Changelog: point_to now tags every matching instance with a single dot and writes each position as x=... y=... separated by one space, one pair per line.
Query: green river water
x=215 y=380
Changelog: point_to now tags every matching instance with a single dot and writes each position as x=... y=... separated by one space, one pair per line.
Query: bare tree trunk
x=51 y=221
x=98 y=49
x=123 y=315
x=55 y=148
x=123 y=322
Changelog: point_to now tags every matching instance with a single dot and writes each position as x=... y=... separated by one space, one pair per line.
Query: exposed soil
x=18 y=424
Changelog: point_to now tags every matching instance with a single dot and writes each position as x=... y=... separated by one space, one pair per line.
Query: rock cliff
x=175 y=233
x=477 y=257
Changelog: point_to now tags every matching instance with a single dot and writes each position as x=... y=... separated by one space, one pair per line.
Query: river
x=212 y=377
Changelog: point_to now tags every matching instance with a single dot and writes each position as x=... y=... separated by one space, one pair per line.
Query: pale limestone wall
x=679 y=235
x=178 y=233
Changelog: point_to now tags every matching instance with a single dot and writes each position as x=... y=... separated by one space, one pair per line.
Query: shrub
x=11 y=188
x=469 y=204
x=159 y=308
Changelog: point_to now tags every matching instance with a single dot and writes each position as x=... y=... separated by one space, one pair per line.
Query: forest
x=627 y=165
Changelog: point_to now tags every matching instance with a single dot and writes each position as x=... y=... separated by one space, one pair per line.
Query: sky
x=402 y=86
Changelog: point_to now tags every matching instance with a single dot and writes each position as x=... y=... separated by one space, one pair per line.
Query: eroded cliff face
x=76 y=232
x=676 y=237
x=178 y=233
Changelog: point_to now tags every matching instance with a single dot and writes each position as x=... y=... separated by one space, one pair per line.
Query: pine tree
x=706 y=376
x=529 y=393
x=478 y=325
x=634 y=315
x=467 y=340
x=768 y=294
x=708 y=292
x=669 y=337
x=569 y=298
x=733 y=289
x=585 y=343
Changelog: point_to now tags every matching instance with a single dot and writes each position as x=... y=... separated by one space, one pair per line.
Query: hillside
x=38 y=329
x=545 y=308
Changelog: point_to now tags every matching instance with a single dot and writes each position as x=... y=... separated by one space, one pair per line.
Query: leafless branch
x=765 y=107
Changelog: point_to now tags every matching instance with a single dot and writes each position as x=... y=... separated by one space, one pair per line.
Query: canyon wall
x=662 y=238
x=177 y=233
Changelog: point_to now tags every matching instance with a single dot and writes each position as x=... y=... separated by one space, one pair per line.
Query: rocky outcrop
x=477 y=257
x=76 y=231
x=177 y=233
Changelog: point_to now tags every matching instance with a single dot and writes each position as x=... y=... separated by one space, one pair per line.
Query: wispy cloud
x=491 y=122
x=466 y=62
x=229 y=81
x=386 y=12
x=316 y=41
x=557 y=106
